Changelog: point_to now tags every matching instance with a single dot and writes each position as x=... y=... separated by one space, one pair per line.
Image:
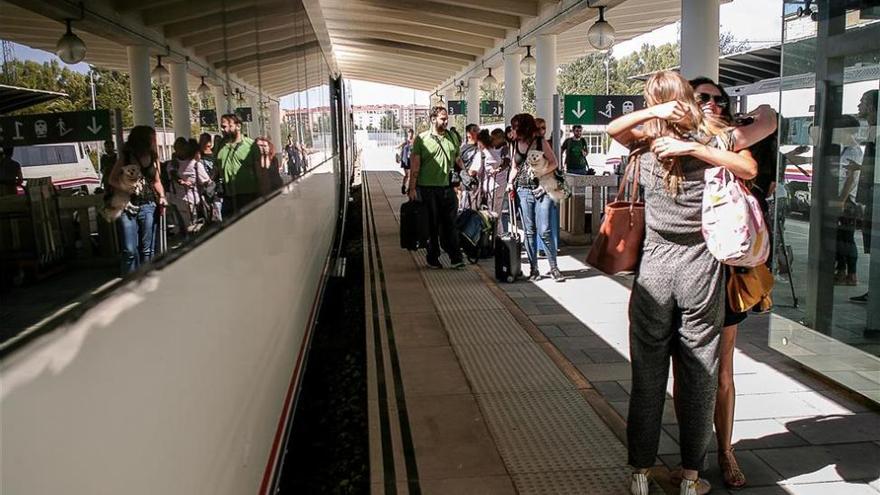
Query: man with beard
x=434 y=160
x=238 y=162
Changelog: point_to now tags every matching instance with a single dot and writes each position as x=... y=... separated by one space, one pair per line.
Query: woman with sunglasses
x=714 y=103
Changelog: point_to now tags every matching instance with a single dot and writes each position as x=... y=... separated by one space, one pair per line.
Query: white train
x=181 y=379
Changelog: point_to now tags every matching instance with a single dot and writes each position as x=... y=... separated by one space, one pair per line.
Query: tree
x=389 y=121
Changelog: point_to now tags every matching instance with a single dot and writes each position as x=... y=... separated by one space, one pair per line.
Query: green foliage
x=389 y=121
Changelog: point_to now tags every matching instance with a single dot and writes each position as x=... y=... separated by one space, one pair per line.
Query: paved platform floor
x=522 y=388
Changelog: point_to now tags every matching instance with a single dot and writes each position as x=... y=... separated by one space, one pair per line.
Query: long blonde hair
x=666 y=86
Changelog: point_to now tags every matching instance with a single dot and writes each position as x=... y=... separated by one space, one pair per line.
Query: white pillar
x=180 y=101
x=699 y=38
x=545 y=79
x=141 y=91
x=254 y=127
x=512 y=85
x=275 y=126
x=473 y=101
x=220 y=103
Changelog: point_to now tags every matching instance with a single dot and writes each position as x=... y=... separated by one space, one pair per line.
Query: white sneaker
x=694 y=487
x=639 y=484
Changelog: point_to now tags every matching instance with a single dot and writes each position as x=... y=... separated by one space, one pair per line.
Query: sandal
x=730 y=471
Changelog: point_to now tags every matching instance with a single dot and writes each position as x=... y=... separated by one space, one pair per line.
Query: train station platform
x=478 y=387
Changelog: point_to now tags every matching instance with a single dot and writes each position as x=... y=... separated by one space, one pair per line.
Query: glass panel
x=825 y=210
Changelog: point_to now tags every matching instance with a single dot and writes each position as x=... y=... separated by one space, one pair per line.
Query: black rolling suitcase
x=508 y=251
x=413 y=225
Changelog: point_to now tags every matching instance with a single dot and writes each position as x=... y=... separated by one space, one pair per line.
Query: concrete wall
x=174 y=384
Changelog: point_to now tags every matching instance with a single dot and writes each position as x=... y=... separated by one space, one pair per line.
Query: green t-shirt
x=238 y=163
x=575 y=158
x=437 y=154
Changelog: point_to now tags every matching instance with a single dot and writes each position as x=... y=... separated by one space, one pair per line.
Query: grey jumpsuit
x=676 y=306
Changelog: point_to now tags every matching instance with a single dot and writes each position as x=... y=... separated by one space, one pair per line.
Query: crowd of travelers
x=680 y=308
x=205 y=181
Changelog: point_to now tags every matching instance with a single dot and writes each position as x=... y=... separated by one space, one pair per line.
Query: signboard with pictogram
x=491 y=107
x=49 y=128
x=245 y=114
x=207 y=118
x=598 y=109
x=456 y=107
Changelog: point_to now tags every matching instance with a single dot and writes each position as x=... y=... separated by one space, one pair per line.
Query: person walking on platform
x=294 y=160
x=574 y=152
x=405 y=150
x=676 y=306
x=239 y=163
x=139 y=161
x=434 y=163
x=554 y=206
x=534 y=204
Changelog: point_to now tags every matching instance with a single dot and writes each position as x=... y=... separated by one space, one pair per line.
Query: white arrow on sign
x=94 y=128
x=579 y=112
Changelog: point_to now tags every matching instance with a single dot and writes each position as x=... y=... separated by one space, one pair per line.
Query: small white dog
x=547 y=180
x=132 y=179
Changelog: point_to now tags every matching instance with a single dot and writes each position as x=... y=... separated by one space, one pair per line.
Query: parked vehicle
x=67 y=164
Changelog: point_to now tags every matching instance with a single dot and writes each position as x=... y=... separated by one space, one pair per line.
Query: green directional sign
x=598 y=109
x=49 y=128
x=491 y=107
x=207 y=118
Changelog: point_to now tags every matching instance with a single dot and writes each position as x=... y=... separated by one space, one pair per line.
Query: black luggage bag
x=508 y=251
x=414 y=231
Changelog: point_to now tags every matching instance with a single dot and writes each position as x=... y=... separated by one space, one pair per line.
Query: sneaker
x=457 y=265
x=435 y=264
x=557 y=275
x=534 y=275
x=694 y=487
x=863 y=299
x=639 y=484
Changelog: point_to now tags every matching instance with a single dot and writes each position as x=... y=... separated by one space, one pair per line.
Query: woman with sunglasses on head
x=676 y=305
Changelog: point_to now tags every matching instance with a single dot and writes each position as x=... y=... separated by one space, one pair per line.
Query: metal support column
x=141 y=92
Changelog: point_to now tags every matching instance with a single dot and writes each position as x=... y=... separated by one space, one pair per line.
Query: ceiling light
x=601 y=34
x=528 y=64
x=489 y=82
x=460 y=94
x=160 y=74
x=70 y=48
x=204 y=90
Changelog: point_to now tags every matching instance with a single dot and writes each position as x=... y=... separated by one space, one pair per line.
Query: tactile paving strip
x=510 y=368
x=550 y=431
x=550 y=438
x=614 y=481
x=482 y=327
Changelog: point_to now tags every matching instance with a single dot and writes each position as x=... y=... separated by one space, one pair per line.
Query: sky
x=758 y=21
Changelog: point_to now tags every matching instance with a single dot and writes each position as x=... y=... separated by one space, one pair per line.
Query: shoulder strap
x=633 y=167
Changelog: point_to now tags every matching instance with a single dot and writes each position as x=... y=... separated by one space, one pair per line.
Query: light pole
x=607 y=61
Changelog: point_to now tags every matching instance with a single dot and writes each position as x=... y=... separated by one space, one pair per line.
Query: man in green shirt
x=434 y=160
x=239 y=164
x=574 y=152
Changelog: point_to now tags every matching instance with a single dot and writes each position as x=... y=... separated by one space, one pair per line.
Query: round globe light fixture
x=204 y=90
x=160 y=74
x=70 y=48
x=489 y=82
x=601 y=34
x=528 y=64
x=460 y=94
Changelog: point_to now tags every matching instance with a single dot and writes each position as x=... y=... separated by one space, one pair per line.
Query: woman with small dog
x=137 y=173
x=534 y=203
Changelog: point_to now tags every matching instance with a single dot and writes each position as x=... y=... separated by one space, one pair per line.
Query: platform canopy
x=13 y=98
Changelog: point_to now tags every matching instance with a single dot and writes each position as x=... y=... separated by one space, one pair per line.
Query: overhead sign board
x=598 y=109
x=456 y=107
x=207 y=118
x=491 y=107
x=245 y=114
x=49 y=128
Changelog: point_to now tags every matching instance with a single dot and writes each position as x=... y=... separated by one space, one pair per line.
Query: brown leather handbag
x=618 y=247
x=749 y=288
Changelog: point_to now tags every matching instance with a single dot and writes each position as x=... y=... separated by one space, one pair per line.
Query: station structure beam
x=512 y=85
x=141 y=91
x=180 y=101
x=699 y=38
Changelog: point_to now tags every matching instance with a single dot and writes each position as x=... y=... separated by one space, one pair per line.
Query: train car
x=182 y=378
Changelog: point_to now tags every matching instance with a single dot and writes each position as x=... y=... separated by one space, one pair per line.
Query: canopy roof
x=13 y=98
